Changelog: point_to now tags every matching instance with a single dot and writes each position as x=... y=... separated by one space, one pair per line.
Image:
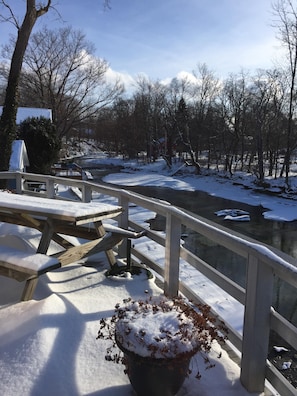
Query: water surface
x=281 y=235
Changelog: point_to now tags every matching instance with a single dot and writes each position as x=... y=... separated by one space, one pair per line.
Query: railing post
x=256 y=329
x=86 y=193
x=50 y=188
x=18 y=182
x=172 y=252
x=124 y=223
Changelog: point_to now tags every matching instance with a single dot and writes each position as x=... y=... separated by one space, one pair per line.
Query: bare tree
x=182 y=125
x=61 y=72
x=204 y=92
x=234 y=103
x=285 y=12
x=265 y=118
x=176 y=120
x=149 y=107
x=8 y=117
x=8 y=13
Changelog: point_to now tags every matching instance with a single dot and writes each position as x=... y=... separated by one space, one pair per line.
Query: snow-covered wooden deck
x=137 y=210
x=48 y=345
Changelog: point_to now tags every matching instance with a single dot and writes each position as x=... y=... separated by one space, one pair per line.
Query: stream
x=281 y=235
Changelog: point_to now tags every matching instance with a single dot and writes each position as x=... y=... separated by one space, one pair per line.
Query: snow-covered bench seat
x=19 y=262
x=25 y=266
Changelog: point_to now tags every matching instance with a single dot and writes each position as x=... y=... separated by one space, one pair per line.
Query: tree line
x=237 y=124
x=246 y=122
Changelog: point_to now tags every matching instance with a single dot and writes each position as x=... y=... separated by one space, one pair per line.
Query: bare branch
x=43 y=9
x=107 y=5
x=11 y=18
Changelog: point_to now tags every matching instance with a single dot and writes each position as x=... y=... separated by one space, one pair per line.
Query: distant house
x=27 y=112
x=19 y=157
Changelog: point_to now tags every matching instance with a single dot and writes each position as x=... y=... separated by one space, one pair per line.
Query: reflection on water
x=230 y=264
x=281 y=235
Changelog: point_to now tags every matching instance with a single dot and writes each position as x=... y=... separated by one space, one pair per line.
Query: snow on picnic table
x=52 y=206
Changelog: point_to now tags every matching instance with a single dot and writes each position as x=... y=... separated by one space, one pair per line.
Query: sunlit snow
x=48 y=345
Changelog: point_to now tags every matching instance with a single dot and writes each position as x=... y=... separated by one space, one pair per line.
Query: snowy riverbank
x=239 y=188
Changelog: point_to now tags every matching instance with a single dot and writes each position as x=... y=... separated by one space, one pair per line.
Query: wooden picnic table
x=56 y=219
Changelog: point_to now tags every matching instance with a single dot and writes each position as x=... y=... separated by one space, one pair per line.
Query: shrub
x=42 y=143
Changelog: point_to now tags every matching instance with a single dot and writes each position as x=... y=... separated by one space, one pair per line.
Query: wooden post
x=86 y=193
x=172 y=253
x=50 y=188
x=19 y=183
x=124 y=223
x=259 y=292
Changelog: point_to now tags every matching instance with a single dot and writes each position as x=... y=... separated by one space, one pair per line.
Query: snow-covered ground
x=48 y=345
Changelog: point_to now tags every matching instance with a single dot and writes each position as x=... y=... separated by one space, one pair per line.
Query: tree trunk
x=260 y=155
x=8 y=118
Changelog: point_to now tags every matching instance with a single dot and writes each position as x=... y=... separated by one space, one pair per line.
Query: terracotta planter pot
x=156 y=377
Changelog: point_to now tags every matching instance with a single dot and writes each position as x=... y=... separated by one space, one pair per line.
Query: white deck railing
x=263 y=265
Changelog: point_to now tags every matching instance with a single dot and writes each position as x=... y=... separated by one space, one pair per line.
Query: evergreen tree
x=42 y=143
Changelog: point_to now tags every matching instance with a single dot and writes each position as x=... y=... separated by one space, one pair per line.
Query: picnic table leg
x=46 y=237
x=45 y=240
x=29 y=289
x=109 y=253
x=31 y=222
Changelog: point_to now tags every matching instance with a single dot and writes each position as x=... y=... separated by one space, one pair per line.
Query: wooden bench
x=113 y=236
x=25 y=266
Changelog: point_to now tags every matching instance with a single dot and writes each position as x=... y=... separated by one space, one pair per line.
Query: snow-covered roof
x=19 y=157
x=26 y=112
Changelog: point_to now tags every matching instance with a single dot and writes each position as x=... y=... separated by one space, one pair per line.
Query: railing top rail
x=283 y=265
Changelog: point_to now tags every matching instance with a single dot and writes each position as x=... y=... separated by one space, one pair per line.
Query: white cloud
x=184 y=75
x=113 y=76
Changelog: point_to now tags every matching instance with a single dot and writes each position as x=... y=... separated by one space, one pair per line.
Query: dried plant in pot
x=157 y=338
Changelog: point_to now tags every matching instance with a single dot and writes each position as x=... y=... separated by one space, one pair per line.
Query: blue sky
x=162 y=38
